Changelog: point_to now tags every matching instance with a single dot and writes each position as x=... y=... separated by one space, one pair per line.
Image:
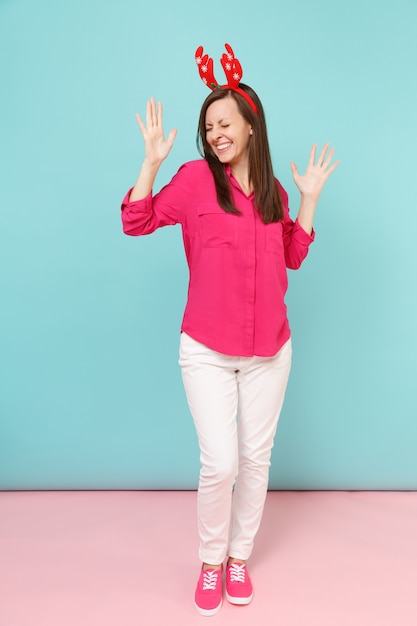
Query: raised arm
x=157 y=149
x=311 y=184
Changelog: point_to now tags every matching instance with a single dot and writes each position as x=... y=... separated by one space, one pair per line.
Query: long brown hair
x=261 y=175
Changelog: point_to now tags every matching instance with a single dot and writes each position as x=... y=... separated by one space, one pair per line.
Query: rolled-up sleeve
x=166 y=208
x=296 y=240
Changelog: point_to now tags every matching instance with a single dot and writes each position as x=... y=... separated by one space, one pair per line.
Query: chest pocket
x=217 y=228
x=274 y=238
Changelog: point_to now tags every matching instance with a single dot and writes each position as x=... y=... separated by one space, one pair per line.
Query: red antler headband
x=232 y=69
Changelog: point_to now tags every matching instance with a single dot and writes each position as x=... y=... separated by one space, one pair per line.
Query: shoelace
x=237 y=573
x=209 y=580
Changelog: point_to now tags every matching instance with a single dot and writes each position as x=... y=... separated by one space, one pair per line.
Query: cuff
x=137 y=206
x=301 y=235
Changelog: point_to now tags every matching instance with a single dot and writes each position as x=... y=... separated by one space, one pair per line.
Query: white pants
x=235 y=403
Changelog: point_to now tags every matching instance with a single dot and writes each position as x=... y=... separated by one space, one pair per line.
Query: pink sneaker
x=208 y=594
x=239 y=588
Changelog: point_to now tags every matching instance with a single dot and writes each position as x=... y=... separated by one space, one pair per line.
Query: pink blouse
x=237 y=263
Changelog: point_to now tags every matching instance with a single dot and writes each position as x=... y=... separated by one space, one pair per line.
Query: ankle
x=232 y=560
x=207 y=566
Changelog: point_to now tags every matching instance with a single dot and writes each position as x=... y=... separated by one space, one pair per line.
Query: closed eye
x=210 y=128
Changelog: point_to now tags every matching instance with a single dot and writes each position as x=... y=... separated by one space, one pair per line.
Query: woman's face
x=227 y=132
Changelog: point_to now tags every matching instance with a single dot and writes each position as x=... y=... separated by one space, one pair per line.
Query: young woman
x=235 y=346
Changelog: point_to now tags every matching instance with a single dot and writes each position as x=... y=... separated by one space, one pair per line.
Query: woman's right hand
x=157 y=147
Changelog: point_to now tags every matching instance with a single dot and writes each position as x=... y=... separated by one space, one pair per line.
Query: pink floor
x=103 y=558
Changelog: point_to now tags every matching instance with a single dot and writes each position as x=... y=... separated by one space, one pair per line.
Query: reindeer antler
x=205 y=69
x=232 y=68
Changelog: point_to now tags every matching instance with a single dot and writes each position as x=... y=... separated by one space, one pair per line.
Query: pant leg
x=210 y=383
x=262 y=384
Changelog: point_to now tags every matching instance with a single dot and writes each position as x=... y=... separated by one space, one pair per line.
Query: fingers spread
x=322 y=154
x=333 y=167
x=329 y=158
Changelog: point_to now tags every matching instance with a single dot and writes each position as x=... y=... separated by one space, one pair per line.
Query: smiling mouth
x=223 y=146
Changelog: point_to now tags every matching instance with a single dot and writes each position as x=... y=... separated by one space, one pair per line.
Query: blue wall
x=91 y=394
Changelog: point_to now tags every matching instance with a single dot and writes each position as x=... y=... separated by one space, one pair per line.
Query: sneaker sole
x=208 y=612
x=240 y=601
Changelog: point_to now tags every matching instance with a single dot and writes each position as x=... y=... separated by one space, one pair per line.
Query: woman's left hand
x=312 y=182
